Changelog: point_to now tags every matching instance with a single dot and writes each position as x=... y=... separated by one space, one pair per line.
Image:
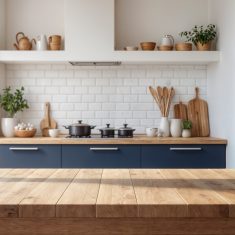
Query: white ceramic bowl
x=131 y=48
x=54 y=133
x=151 y=132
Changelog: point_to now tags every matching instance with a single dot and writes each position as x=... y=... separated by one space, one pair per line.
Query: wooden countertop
x=117 y=193
x=138 y=139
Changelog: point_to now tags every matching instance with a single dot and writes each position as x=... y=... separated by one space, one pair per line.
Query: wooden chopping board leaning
x=47 y=122
x=180 y=111
x=199 y=116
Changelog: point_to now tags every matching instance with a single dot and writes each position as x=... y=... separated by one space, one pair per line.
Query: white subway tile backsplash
x=101 y=95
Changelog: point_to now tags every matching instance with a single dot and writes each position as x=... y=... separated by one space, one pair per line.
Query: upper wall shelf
x=135 y=57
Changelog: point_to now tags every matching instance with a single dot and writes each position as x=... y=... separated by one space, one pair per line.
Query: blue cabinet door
x=99 y=156
x=183 y=156
x=30 y=156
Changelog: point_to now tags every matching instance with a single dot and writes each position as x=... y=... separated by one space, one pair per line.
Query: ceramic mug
x=54 y=133
x=151 y=132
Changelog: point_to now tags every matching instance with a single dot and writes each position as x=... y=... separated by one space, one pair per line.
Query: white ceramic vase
x=8 y=125
x=165 y=127
x=176 y=128
x=186 y=133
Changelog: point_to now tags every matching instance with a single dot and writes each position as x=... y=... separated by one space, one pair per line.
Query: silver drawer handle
x=185 y=149
x=23 y=149
x=104 y=149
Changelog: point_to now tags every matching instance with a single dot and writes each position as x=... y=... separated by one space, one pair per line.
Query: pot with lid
x=125 y=132
x=79 y=129
x=107 y=131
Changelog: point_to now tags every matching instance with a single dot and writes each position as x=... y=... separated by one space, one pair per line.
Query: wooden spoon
x=165 y=99
x=160 y=95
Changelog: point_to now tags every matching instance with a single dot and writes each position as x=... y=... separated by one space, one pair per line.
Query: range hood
x=76 y=63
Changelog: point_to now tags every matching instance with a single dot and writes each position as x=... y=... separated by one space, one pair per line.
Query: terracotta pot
x=204 y=47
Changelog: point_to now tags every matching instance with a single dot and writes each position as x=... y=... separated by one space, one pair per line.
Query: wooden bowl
x=165 y=48
x=185 y=46
x=148 y=46
x=25 y=134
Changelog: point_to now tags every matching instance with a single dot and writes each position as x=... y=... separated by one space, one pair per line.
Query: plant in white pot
x=187 y=126
x=201 y=36
x=12 y=102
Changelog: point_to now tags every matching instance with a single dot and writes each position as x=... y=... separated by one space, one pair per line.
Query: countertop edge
x=138 y=140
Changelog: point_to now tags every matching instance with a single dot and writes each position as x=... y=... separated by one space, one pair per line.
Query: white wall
x=221 y=77
x=2 y=24
x=133 y=25
x=33 y=17
x=100 y=95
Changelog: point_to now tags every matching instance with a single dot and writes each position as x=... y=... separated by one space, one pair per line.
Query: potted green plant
x=187 y=126
x=201 y=36
x=11 y=103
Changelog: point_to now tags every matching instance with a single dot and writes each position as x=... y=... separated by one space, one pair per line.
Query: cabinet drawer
x=100 y=156
x=30 y=156
x=183 y=156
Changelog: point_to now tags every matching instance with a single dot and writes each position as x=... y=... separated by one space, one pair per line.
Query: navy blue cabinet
x=183 y=156
x=99 y=156
x=30 y=156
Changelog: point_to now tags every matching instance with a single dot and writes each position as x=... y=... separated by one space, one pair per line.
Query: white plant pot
x=8 y=125
x=164 y=127
x=186 y=133
x=176 y=128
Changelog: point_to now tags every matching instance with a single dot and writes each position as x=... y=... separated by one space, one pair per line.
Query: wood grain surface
x=117 y=193
x=117 y=201
x=138 y=139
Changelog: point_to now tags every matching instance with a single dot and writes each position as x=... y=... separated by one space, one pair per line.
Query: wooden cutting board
x=47 y=122
x=198 y=114
x=180 y=111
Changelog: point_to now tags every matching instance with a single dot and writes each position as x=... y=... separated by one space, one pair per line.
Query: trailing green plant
x=187 y=125
x=200 y=34
x=13 y=102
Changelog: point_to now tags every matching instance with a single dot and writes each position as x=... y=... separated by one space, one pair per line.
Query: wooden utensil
x=198 y=115
x=180 y=111
x=48 y=122
x=171 y=94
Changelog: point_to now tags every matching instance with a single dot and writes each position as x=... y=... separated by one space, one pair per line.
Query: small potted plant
x=11 y=102
x=201 y=36
x=187 y=126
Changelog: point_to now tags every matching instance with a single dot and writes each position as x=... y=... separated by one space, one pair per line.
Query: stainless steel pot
x=79 y=129
x=107 y=131
x=125 y=132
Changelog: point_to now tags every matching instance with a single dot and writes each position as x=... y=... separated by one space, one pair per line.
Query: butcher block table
x=117 y=201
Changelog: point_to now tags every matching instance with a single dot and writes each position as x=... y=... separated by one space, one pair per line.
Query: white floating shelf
x=126 y=57
x=169 y=57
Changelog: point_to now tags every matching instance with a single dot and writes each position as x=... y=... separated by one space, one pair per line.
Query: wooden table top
x=117 y=193
x=138 y=139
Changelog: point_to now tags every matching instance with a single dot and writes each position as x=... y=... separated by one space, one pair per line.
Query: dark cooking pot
x=107 y=131
x=79 y=129
x=125 y=131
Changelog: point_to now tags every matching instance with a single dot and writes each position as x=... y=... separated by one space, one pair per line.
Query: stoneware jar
x=176 y=128
x=8 y=125
x=164 y=127
x=186 y=133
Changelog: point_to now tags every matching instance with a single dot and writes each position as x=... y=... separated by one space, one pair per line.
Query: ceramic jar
x=8 y=126
x=165 y=127
x=176 y=128
x=186 y=133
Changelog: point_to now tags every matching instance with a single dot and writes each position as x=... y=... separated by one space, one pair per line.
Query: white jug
x=168 y=40
x=41 y=43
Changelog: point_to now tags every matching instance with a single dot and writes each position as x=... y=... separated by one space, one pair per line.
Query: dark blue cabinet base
x=183 y=156
x=30 y=156
x=113 y=156
x=99 y=156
